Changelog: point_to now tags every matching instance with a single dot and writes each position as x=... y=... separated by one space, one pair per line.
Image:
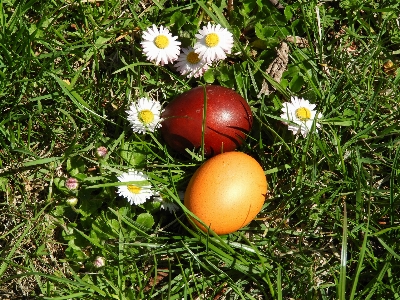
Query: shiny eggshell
x=228 y=120
x=226 y=192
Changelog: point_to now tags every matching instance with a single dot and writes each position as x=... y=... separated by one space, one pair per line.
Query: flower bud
x=72 y=201
x=101 y=152
x=99 y=262
x=72 y=183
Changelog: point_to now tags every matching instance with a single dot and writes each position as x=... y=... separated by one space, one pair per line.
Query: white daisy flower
x=144 y=115
x=159 y=45
x=135 y=193
x=166 y=205
x=191 y=64
x=213 y=41
x=301 y=114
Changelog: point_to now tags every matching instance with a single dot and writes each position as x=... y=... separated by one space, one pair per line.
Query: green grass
x=70 y=69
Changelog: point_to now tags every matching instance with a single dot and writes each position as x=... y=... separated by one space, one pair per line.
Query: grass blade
x=343 y=257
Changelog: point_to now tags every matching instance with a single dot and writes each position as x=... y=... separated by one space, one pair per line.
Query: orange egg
x=226 y=192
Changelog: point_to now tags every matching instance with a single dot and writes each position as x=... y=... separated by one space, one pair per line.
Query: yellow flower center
x=146 y=116
x=193 y=58
x=161 y=41
x=134 y=189
x=303 y=113
x=212 y=40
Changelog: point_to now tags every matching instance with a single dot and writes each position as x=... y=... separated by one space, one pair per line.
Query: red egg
x=228 y=120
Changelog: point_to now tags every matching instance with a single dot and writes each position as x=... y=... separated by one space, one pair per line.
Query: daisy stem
x=304 y=156
x=303 y=162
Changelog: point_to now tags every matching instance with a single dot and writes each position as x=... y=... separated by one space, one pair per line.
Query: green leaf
x=152 y=206
x=75 y=253
x=75 y=165
x=263 y=32
x=89 y=200
x=60 y=185
x=349 y=112
x=288 y=13
x=178 y=19
x=224 y=74
x=92 y=240
x=248 y=6
x=133 y=154
x=260 y=44
x=102 y=228
x=58 y=211
x=292 y=71
x=145 y=219
x=41 y=250
x=296 y=83
x=209 y=76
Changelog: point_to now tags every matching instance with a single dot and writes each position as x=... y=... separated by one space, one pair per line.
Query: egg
x=228 y=120
x=226 y=192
